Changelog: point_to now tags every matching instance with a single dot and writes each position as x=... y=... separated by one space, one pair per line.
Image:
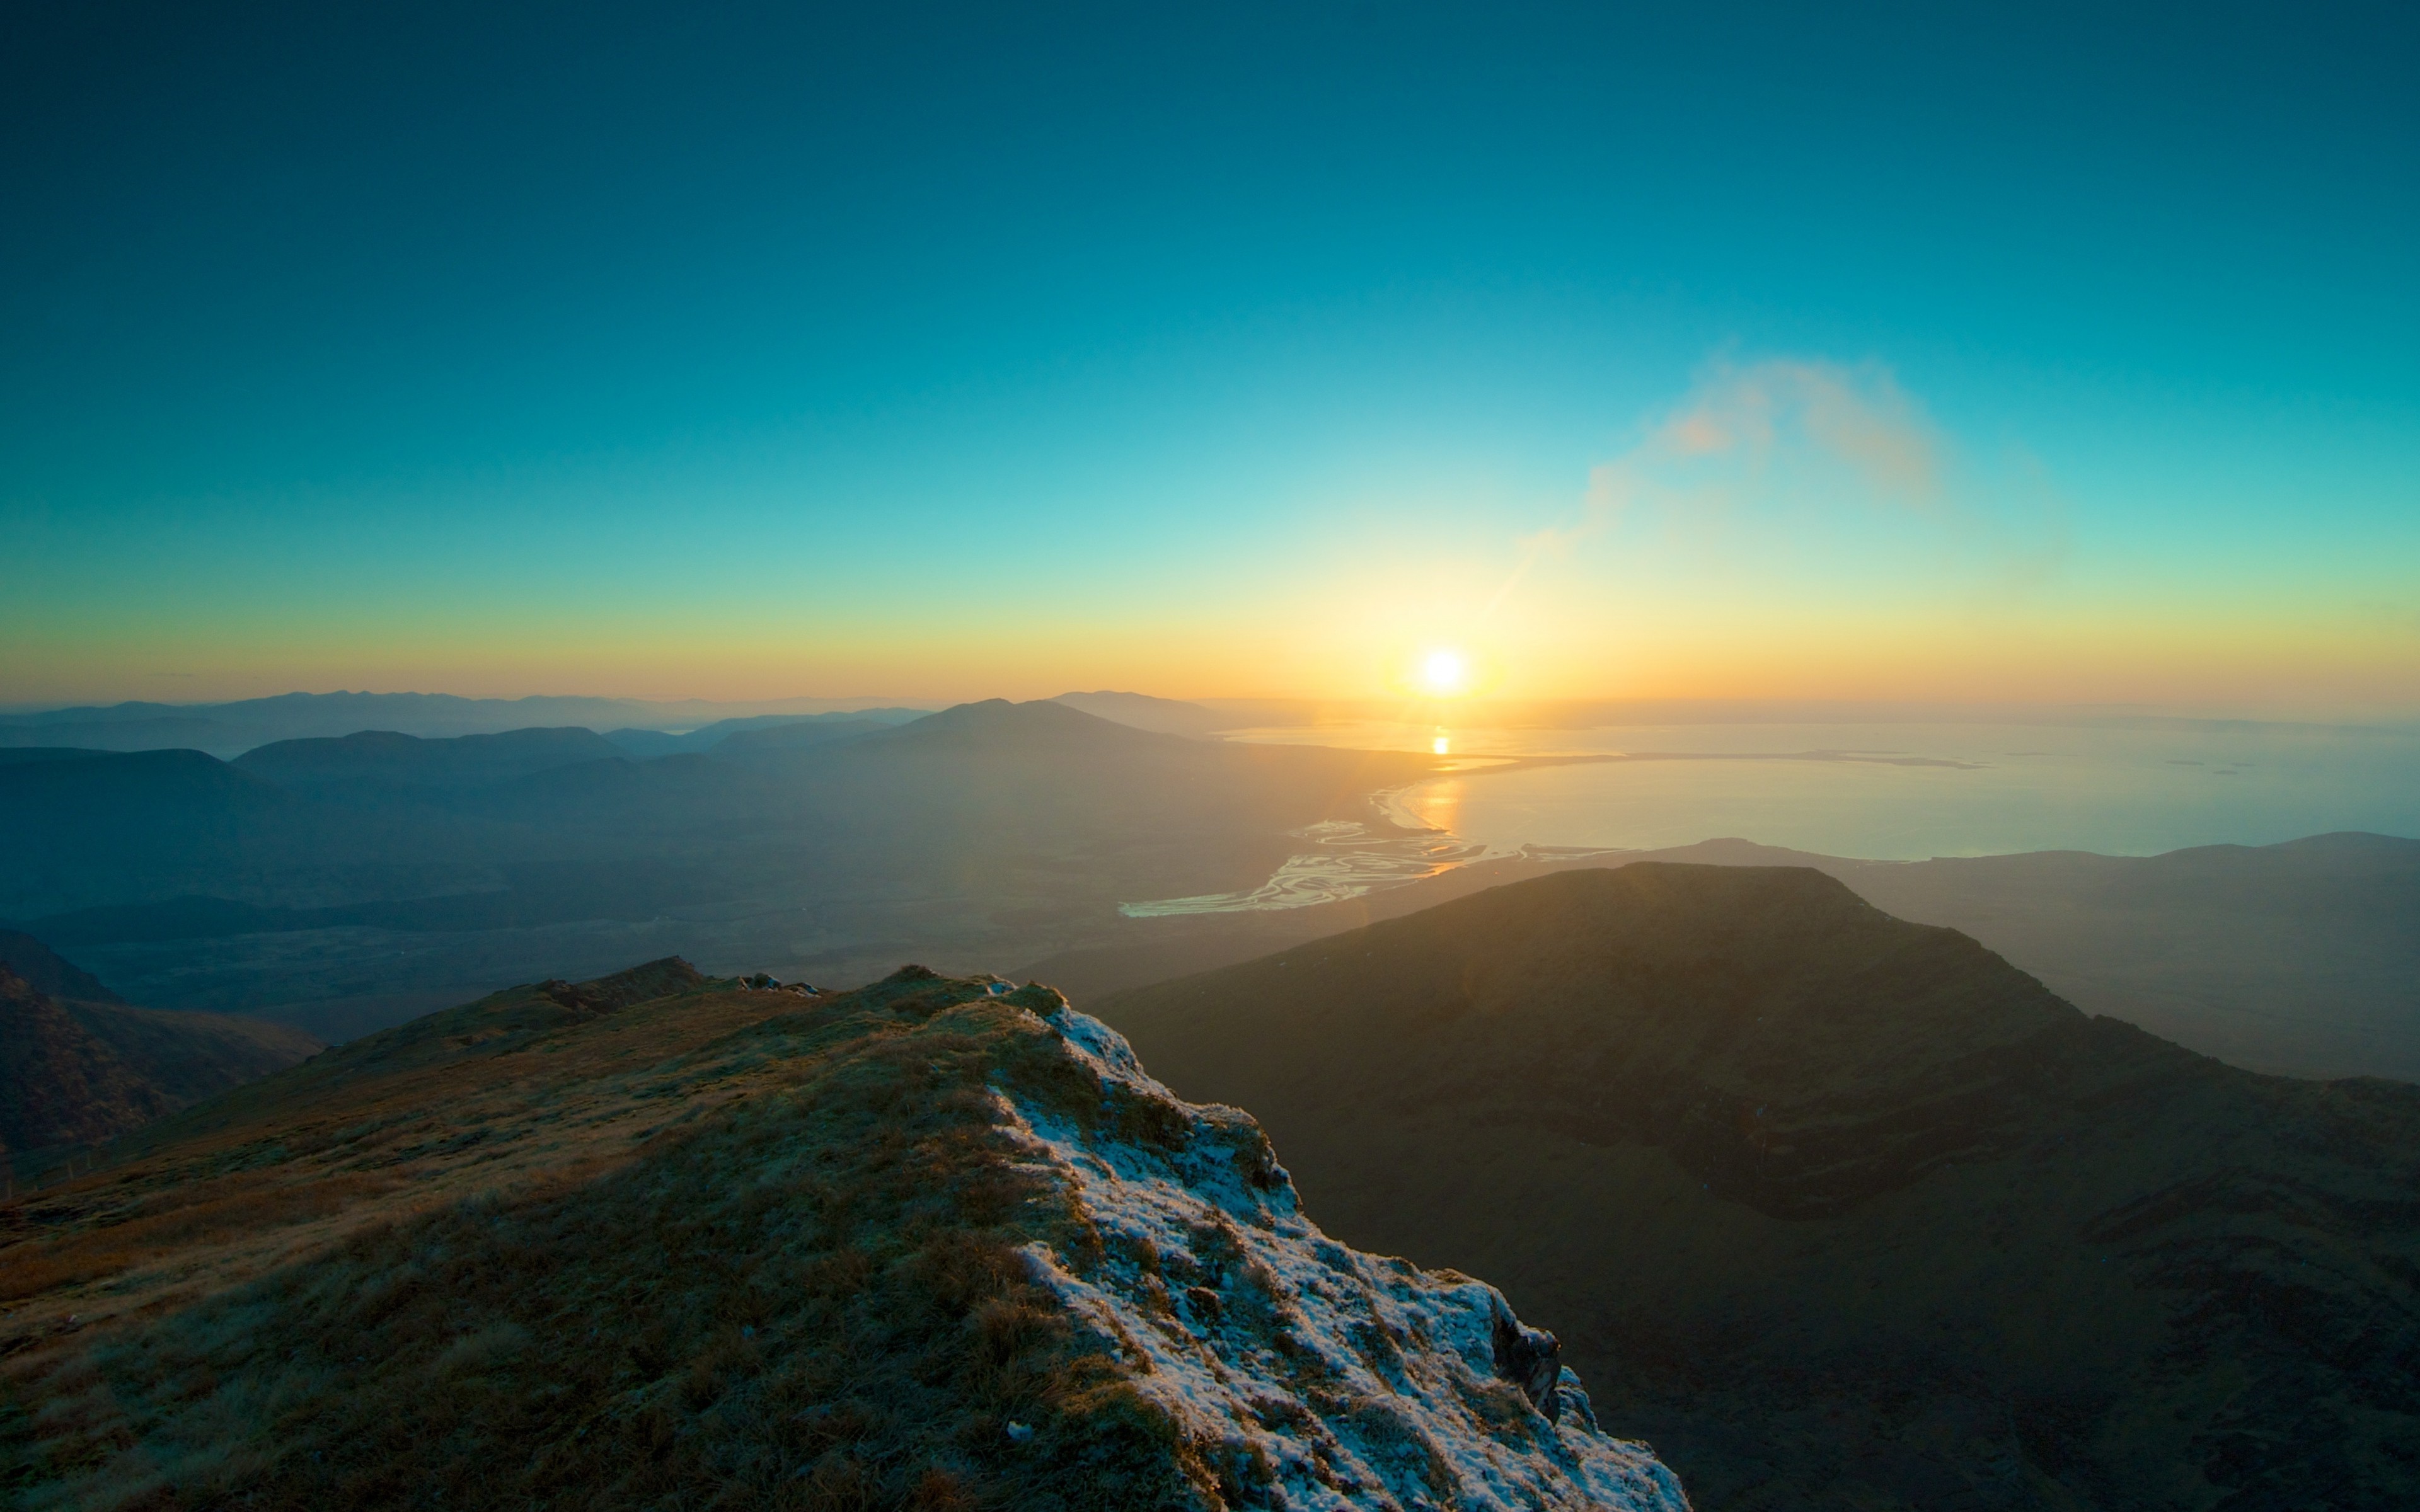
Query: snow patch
x=1316 y=1376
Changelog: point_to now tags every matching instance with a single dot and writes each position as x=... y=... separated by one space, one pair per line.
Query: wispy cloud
x=1806 y=438
x=1751 y=418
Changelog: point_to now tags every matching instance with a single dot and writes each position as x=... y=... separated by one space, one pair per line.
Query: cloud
x=1741 y=426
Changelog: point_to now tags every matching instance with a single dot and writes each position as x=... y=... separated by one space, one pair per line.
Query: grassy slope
x=715 y=1248
x=189 y=1057
x=1843 y=1211
x=60 y=1084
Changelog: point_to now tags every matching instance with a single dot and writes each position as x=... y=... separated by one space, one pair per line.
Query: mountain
x=648 y=744
x=2298 y=959
x=48 y=972
x=345 y=885
x=794 y=735
x=384 y=760
x=228 y=729
x=1170 y=716
x=78 y=1072
x=59 y=1084
x=1842 y=1211
x=106 y=829
x=189 y=1057
x=654 y=1240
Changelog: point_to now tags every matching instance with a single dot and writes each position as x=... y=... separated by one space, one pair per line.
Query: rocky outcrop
x=1310 y=1373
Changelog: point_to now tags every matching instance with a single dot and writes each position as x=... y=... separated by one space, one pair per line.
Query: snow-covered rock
x=1317 y=1376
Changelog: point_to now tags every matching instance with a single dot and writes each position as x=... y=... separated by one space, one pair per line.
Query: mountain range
x=233 y=728
x=1841 y=1211
x=345 y=883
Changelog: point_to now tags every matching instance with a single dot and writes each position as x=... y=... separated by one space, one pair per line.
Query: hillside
x=656 y=1241
x=1841 y=1211
x=795 y=735
x=1173 y=716
x=59 y=1083
x=809 y=728
x=375 y=761
x=82 y=1072
x=2299 y=959
x=46 y=971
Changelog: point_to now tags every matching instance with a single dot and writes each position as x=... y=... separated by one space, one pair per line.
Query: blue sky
x=1219 y=350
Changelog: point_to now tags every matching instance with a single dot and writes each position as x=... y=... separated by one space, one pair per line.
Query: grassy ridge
x=808 y=1298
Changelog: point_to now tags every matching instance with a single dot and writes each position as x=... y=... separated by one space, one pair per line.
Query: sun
x=1445 y=674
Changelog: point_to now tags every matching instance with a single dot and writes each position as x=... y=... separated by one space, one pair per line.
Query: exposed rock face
x=1532 y=1359
x=1315 y=1374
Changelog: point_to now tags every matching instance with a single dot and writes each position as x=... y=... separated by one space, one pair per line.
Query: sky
x=2017 y=353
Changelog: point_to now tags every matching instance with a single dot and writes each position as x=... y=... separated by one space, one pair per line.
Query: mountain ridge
x=1842 y=1211
x=938 y=1243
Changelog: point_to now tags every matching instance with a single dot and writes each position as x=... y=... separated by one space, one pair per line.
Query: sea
x=1881 y=792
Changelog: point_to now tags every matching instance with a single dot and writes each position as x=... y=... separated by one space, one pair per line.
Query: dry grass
x=805 y=1292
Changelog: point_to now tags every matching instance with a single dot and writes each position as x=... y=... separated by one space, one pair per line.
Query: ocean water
x=1903 y=792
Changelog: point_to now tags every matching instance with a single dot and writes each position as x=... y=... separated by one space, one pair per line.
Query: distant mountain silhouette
x=991 y=826
x=648 y=744
x=1842 y=1211
x=48 y=972
x=794 y=735
x=227 y=728
x=1167 y=715
x=384 y=759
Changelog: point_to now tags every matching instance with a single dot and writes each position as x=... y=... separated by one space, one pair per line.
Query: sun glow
x=1445 y=674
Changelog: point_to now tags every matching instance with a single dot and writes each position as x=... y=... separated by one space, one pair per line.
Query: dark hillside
x=118 y=828
x=2300 y=958
x=1845 y=1211
x=188 y=1055
x=379 y=760
x=49 y=972
x=81 y=1072
x=59 y=1083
